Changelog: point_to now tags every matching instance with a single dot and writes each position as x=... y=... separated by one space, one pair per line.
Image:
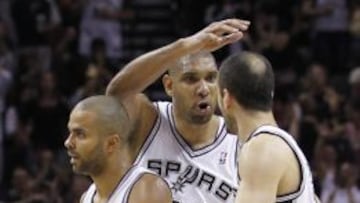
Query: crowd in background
x=54 y=53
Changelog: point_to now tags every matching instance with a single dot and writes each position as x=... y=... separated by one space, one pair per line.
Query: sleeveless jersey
x=206 y=175
x=305 y=192
x=122 y=190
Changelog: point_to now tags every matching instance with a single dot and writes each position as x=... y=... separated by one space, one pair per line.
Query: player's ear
x=167 y=83
x=112 y=143
x=227 y=99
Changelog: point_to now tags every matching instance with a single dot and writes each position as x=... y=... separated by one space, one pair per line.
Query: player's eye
x=190 y=79
x=211 y=78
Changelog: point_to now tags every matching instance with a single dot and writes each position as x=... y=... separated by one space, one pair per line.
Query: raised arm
x=150 y=189
x=145 y=69
x=261 y=168
x=128 y=84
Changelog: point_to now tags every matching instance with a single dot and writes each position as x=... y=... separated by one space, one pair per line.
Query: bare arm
x=150 y=189
x=128 y=84
x=145 y=69
x=261 y=168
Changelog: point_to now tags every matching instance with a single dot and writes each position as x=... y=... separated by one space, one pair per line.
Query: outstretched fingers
x=238 y=24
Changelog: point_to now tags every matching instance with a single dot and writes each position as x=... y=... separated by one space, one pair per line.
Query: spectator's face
x=329 y=154
x=318 y=77
x=47 y=82
x=21 y=179
x=281 y=40
x=346 y=175
x=46 y=157
x=193 y=89
x=84 y=144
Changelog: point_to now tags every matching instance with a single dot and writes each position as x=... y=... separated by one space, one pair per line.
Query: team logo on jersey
x=188 y=176
x=223 y=156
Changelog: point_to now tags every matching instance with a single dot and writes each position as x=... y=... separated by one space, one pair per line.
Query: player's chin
x=78 y=170
x=201 y=118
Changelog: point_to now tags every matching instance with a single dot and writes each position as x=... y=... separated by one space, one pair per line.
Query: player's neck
x=248 y=122
x=198 y=135
x=107 y=181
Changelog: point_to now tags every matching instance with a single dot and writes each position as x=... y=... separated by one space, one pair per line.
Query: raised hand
x=217 y=35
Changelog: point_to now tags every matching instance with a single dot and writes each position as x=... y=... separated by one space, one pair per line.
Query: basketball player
x=272 y=167
x=183 y=141
x=98 y=145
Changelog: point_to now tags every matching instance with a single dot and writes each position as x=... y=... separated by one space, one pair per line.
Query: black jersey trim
x=292 y=195
x=151 y=136
x=127 y=195
x=221 y=134
x=122 y=180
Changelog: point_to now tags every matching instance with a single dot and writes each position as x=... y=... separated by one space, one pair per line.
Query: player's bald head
x=250 y=78
x=188 y=61
x=110 y=116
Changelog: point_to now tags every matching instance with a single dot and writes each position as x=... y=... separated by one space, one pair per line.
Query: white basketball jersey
x=206 y=175
x=122 y=190
x=305 y=192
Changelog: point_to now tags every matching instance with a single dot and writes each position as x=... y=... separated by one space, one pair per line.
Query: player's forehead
x=80 y=119
x=196 y=64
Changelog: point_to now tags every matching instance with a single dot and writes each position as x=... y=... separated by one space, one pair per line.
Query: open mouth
x=203 y=106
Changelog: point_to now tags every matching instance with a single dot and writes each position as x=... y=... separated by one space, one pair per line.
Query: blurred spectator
x=355 y=36
x=102 y=19
x=220 y=10
x=331 y=43
x=282 y=56
x=5 y=17
x=326 y=163
x=7 y=68
x=190 y=16
x=287 y=113
x=18 y=151
x=49 y=115
x=354 y=82
x=35 y=22
x=352 y=126
x=99 y=60
x=98 y=73
x=343 y=188
x=325 y=100
x=7 y=57
x=21 y=185
x=45 y=170
x=66 y=60
x=5 y=82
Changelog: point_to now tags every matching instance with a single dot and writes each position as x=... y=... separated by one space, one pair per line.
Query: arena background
x=55 y=52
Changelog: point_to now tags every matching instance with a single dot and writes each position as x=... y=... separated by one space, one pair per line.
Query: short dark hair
x=111 y=115
x=250 y=79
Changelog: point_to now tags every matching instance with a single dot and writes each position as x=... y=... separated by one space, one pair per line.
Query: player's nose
x=203 y=89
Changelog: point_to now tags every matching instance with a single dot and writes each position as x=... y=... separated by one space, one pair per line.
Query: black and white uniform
x=305 y=192
x=206 y=175
x=122 y=190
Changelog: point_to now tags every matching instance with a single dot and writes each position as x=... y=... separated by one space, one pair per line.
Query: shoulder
x=150 y=188
x=264 y=154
